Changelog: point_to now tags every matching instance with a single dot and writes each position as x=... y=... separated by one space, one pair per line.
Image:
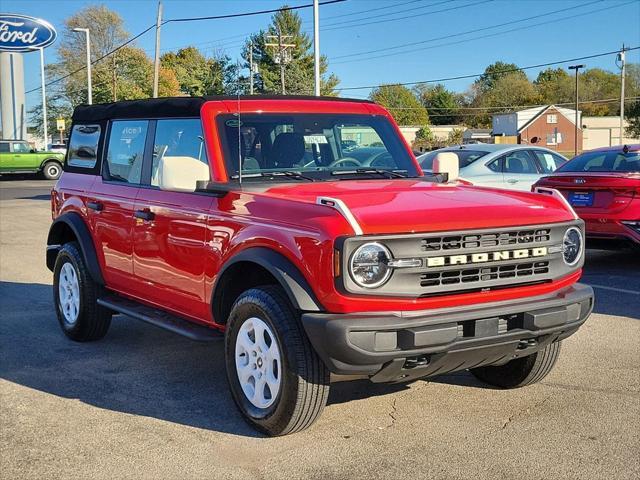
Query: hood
x=401 y=206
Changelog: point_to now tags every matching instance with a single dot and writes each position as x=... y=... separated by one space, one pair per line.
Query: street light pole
x=577 y=69
x=89 y=92
x=44 y=96
x=621 y=57
x=316 y=47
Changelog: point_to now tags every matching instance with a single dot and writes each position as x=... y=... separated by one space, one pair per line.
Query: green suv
x=16 y=156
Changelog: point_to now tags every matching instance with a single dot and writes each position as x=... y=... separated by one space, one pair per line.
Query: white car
x=515 y=167
x=57 y=148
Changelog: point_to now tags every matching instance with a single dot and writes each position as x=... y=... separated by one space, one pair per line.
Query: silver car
x=516 y=167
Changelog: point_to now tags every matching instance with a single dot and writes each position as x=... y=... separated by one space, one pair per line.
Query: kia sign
x=19 y=33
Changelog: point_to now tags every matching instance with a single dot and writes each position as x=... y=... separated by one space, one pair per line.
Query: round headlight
x=368 y=265
x=572 y=246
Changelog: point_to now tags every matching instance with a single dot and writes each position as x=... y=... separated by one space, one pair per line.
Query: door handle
x=97 y=206
x=512 y=180
x=144 y=215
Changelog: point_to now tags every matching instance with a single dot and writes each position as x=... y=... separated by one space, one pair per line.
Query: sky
x=351 y=28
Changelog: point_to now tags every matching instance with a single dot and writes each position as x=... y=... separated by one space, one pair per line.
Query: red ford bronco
x=303 y=231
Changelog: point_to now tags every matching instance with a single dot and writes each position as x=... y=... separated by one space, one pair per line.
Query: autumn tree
x=298 y=76
x=443 y=105
x=402 y=104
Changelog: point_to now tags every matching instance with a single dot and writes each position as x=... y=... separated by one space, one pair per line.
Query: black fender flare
x=283 y=270
x=52 y=159
x=80 y=230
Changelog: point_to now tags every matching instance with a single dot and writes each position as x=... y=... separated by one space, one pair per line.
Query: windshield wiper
x=368 y=170
x=278 y=173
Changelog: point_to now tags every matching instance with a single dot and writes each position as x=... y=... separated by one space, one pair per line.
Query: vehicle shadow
x=136 y=369
x=46 y=197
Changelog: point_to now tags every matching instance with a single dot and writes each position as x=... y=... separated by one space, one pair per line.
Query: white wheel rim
x=53 y=170
x=258 y=362
x=69 y=293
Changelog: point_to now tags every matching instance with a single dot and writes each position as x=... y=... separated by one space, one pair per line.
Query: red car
x=304 y=232
x=603 y=187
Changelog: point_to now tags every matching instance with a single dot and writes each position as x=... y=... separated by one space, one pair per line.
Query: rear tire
x=521 y=372
x=75 y=297
x=290 y=393
x=52 y=170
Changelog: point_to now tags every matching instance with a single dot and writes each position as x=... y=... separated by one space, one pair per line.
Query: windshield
x=607 y=161
x=465 y=157
x=313 y=147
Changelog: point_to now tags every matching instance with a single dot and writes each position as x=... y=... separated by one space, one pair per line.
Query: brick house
x=548 y=126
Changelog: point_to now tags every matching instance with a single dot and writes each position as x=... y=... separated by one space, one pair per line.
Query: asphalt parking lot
x=143 y=403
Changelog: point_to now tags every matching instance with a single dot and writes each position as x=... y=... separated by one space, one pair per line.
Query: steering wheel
x=345 y=161
x=382 y=159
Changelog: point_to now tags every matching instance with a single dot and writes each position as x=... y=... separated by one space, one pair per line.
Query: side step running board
x=160 y=318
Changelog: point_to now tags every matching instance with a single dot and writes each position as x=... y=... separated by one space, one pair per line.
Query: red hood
x=400 y=206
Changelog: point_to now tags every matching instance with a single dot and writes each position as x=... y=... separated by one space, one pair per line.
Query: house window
x=552 y=118
x=554 y=138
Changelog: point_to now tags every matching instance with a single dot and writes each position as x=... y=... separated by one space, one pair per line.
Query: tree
x=555 y=86
x=402 y=104
x=298 y=76
x=632 y=114
x=198 y=75
x=495 y=72
x=443 y=104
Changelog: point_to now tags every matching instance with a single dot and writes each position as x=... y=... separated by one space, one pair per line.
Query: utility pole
x=156 y=63
x=621 y=59
x=316 y=48
x=282 y=57
x=250 y=68
x=576 y=68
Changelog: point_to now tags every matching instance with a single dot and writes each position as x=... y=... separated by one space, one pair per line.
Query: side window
x=178 y=140
x=83 y=146
x=126 y=151
x=4 y=147
x=519 y=162
x=19 y=147
x=496 y=165
x=549 y=161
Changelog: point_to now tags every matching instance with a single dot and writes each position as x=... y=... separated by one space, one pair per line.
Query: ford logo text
x=19 y=33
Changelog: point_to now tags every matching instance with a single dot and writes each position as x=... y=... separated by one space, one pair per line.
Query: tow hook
x=531 y=342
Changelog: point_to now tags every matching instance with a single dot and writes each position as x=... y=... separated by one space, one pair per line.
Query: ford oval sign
x=19 y=33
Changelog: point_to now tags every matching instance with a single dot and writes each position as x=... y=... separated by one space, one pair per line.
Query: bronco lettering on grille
x=486 y=257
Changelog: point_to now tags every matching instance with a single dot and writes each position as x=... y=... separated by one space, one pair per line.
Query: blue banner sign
x=19 y=33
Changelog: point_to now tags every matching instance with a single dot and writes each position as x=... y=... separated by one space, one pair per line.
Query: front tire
x=521 y=372
x=75 y=297
x=52 y=170
x=277 y=380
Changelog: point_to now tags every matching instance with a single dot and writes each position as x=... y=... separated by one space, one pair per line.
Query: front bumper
x=400 y=346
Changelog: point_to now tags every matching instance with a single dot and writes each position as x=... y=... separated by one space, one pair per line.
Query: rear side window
x=465 y=158
x=549 y=161
x=4 y=147
x=125 y=151
x=83 y=146
x=180 y=138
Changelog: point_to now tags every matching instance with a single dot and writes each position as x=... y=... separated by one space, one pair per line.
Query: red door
x=170 y=250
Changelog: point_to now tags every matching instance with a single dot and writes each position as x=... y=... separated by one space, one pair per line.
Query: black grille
x=470 y=275
x=485 y=240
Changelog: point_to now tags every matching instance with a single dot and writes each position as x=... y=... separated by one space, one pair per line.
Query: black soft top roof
x=173 y=106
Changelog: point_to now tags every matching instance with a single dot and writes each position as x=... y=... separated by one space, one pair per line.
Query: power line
x=248 y=14
x=461 y=77
x=480 y=37
x=338 y=27
x=485 y=110
x=476 y=30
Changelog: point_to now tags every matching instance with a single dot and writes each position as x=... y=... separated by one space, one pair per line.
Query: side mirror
x=446 y=164
x=181 y=174
x=33 y=150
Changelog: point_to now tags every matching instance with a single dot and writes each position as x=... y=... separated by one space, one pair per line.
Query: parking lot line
x=621 y=290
